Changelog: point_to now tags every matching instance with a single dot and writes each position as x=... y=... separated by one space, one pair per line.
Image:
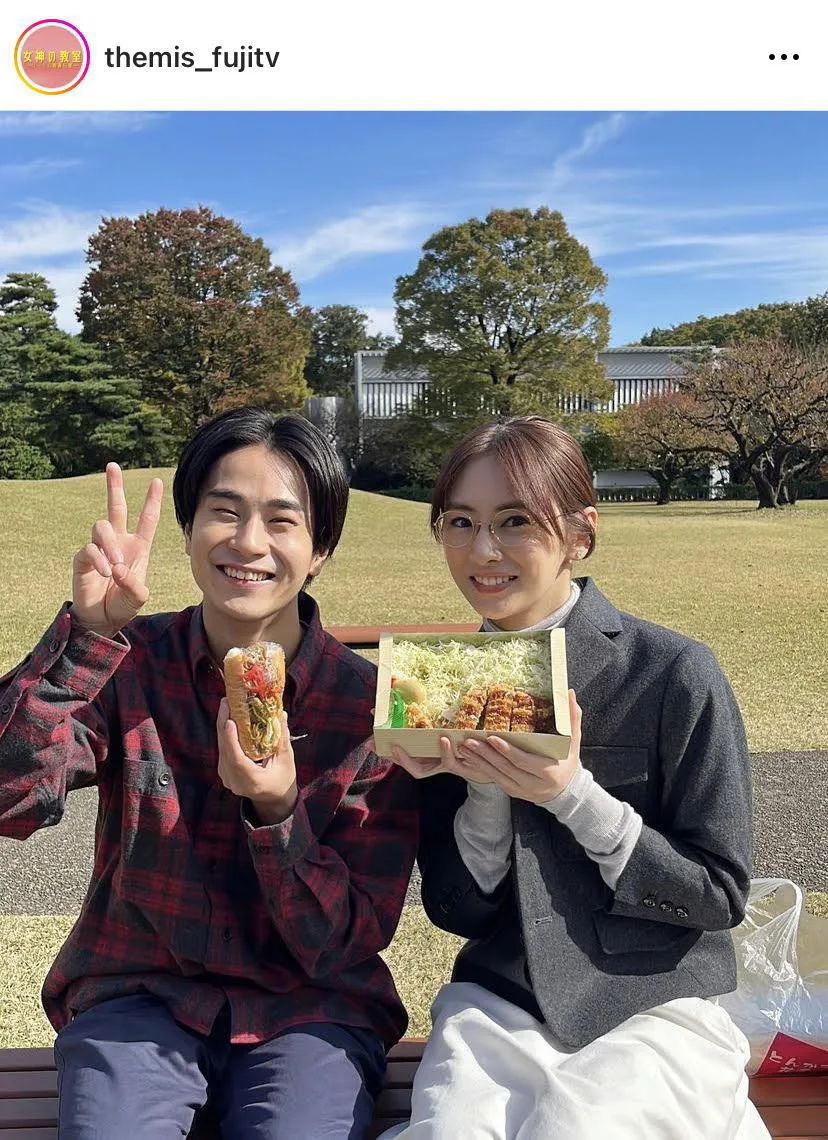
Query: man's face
x=251 y=541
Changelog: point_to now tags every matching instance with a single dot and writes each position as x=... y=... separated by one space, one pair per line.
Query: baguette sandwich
x=254 y=678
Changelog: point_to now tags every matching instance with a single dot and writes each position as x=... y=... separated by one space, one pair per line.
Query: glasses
x=507 y=528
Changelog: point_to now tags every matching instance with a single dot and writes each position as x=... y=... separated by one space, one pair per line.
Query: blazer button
x=682 y=912
x=650 y=900
x=665 y=906
x=164 y=779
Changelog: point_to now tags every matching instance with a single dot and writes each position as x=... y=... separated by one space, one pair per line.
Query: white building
x=635 y=372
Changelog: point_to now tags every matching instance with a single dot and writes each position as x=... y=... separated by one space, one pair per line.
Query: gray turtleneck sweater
x=606 y=828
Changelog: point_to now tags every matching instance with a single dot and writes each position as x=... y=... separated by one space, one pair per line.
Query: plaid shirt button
x=54 y=646
x=164 y=779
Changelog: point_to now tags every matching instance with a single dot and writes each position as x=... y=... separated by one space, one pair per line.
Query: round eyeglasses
x=508 y=527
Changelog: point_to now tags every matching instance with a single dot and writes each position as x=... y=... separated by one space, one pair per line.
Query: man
x=228 y=943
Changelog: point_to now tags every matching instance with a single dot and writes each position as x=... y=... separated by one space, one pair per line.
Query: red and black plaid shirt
x=188 y=900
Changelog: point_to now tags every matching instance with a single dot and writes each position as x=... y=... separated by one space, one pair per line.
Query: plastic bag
x=781 y=1000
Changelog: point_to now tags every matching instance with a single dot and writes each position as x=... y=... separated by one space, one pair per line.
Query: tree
x=382 y=342
x=62 y=411
x=768 y=400
x=799 y=321
x=189 y=304
x=659 y=436
x=505 y=316
x=337 y=333
x=765 y=320
x=810 y=321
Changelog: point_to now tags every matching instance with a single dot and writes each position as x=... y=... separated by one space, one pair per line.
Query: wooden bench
x=791 y=1106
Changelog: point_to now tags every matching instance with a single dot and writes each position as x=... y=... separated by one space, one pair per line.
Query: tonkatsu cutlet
x=470 y=708
x=498 y=709
x=523 y=713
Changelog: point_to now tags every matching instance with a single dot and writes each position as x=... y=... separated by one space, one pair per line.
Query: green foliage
x=803 y=321
x=765 y=320
x=62 y=411
x=188 y=303
x=337 y=332
x=599 y=444
x=504 y=314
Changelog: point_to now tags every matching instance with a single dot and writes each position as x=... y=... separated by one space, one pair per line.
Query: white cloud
x=51 y=240
x=380 y=320
x=373 y=230
x=17 y=124
x=45 y=230
x=596 y=136
x=66 y=281
x=37 y=168
x=784 y=256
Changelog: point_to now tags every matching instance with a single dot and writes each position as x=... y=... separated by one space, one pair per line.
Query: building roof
x=634 y=362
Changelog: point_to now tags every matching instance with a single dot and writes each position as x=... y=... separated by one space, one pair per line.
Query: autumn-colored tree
x=505 y=315
x=768 y=398
x=659 y=435
x=189 y=304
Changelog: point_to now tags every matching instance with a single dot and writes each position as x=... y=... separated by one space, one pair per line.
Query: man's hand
x=269 y=784
x=109 y=573
x=522 y=775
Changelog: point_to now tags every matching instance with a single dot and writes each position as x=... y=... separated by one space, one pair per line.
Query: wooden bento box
x=448 y=667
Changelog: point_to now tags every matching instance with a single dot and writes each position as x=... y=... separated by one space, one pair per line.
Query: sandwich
x=254 y=678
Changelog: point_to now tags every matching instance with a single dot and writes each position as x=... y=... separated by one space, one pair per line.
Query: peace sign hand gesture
x=109 y=573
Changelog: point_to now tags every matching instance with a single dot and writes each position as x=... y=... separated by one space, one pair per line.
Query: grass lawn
x=420 y=959
x=750 y=584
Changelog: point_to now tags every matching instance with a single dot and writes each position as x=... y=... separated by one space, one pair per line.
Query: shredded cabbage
x=449 y=668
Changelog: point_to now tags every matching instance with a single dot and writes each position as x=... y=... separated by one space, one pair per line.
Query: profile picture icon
x=51 y=57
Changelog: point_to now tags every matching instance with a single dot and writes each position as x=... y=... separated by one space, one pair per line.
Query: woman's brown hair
x=542 y=462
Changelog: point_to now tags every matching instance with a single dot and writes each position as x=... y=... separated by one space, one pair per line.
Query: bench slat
x=790 y=1089
x=25 y=1112
x=19 y=1060
x=394 y=1102
x=796 y=1119
x=399 y=1074
x=34 y=1082
x=29 y=1133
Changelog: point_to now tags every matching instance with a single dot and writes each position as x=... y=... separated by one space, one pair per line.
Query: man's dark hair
x=288 y=435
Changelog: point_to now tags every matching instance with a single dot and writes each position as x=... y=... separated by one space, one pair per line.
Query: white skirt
x=492 y=1072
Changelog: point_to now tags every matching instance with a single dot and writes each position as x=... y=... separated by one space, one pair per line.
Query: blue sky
x=686 y=213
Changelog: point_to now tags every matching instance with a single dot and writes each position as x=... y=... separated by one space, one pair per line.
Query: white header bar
x=429 y=55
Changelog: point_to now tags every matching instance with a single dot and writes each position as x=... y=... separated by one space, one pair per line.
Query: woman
x=596 y=893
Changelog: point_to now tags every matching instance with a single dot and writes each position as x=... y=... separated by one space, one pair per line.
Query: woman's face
x=515 y=585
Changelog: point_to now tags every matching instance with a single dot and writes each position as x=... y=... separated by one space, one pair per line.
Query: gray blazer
x=661 y=730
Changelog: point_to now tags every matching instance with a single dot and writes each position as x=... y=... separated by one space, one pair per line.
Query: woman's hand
x=422 y=767
x=522 y=775
x=109 y=573
x=270 y=784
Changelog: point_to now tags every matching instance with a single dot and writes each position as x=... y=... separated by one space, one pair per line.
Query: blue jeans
x=128 y=1071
